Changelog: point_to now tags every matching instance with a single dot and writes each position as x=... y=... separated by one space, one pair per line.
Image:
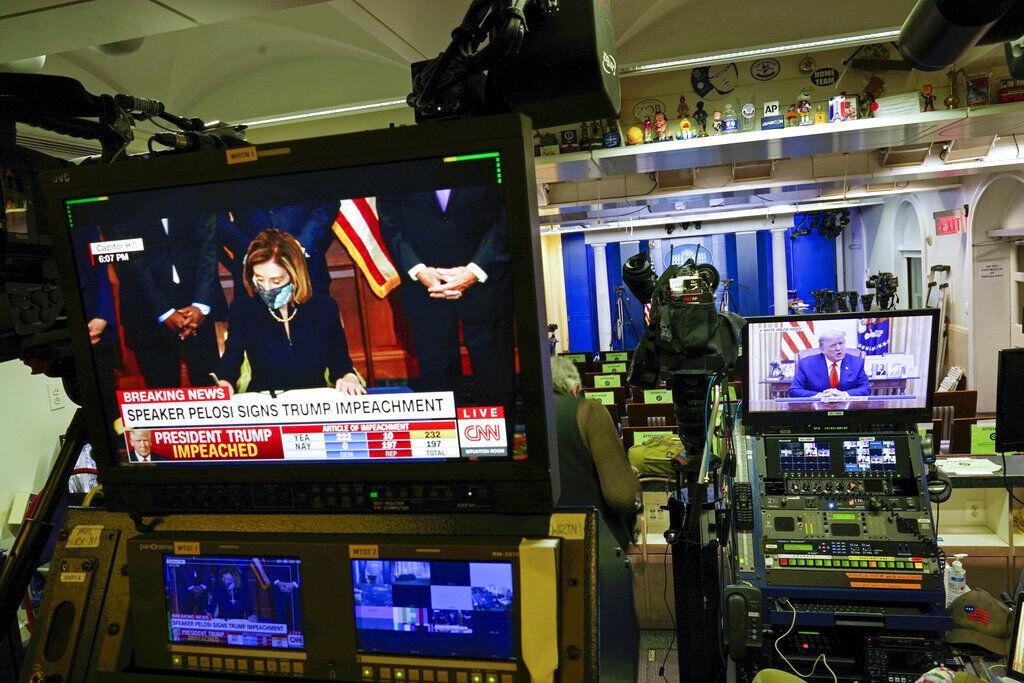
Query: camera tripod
x=939 y=281
x=622 y=316
x=696 y=524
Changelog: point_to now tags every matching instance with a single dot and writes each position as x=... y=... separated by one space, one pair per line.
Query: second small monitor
x=435 y=609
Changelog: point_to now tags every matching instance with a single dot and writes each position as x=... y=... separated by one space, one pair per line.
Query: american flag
x=260 y=572
x=797 y=338
x=358 y=228
x=647 y=312
x=977 y=614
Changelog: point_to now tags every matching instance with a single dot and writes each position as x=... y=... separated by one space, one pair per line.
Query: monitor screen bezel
x=837 y=418
x=510 y=135
x=1004 y=405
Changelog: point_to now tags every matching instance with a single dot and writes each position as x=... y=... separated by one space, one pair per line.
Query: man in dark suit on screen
x=167 y=291
x=141 y=442
x=831 y=375
x=452 y=245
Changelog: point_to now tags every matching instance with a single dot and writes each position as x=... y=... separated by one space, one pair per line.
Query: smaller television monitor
x=805 y=456
x=875 y=367
x=869 y=456
x=435 y=609
x=250 y=602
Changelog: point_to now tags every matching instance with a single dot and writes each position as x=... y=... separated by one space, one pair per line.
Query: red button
x=784 y=561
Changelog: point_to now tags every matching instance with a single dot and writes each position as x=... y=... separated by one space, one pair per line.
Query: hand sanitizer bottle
x=956 y=579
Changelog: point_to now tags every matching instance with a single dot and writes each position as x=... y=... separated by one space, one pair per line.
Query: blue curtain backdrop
x=810 y=262
x=580 y=304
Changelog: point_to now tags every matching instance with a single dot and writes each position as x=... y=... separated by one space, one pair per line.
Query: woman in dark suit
x=231 y=598
x=291 y=335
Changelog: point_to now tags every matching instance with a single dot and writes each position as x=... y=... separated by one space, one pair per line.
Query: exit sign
x=950 y=222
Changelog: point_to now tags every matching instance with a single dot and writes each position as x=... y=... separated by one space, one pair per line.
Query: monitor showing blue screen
x=435 y=609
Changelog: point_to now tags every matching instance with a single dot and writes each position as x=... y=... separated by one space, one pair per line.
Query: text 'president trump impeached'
x=832 y=374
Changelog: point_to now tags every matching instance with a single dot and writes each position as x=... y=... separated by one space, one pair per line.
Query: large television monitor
x=351 y=323
x=865 y=368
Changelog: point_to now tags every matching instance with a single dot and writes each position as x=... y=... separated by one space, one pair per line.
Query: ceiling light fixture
x=846 y=40
x=322 y=113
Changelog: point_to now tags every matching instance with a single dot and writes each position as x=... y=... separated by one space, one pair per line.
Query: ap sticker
x=85 y=536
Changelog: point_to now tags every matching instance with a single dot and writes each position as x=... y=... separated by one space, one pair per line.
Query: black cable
x=671 y=614
x=633 y=213
x=1006 y=482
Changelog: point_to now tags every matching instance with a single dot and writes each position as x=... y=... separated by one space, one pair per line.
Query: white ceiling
x=242 y=59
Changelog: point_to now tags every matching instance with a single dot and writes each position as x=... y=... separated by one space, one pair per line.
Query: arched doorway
x=910 y=263
x=997 y=222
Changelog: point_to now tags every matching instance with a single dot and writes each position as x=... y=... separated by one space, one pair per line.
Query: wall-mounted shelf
x=1007 y=232
x=827 y=138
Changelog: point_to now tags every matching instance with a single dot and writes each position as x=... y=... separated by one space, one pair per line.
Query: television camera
x=885 y=286
x=552 y=337
x=32 y=318
x=500 y=60
x=693 y=346
x=830 y=300
x=687 y=341
x=33 y=321
x=829 y=224
x=824 y=300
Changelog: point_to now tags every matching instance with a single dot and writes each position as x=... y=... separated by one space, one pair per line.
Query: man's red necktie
x=833 y=377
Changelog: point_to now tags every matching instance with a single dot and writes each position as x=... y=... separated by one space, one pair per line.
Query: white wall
x=30 y=434
x=883 y=233
x=997 y=202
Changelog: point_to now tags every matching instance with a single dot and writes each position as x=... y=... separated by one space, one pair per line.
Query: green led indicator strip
x=481 y=155
x=471 y=157
x=86 y=200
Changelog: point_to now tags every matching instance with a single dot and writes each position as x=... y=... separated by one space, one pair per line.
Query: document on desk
x=967 y=467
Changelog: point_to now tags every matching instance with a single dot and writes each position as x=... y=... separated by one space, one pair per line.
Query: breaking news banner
x=304 y=425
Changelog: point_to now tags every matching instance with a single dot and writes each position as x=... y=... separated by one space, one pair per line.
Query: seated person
x=231 y=599
x=832 y=374
x=593 y=467
x=291 y=334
